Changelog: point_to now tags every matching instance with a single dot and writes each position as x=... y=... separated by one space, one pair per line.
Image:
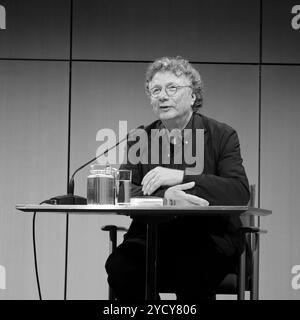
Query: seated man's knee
x=116 y=267
x=123 y=266
x=126 y=274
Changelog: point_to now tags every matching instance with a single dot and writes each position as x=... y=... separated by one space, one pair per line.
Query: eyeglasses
x=170 y=90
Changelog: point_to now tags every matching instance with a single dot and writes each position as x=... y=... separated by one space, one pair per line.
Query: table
x=152 y=214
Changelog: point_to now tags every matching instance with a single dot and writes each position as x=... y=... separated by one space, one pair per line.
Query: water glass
x=123 y=182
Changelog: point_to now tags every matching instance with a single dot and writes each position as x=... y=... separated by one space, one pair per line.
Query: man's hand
x=182 y=198
x=161 y=176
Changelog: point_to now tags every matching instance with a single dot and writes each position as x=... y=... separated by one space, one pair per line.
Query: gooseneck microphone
x=70 y=198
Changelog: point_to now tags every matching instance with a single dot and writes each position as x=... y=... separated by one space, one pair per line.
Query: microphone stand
x=70 y=198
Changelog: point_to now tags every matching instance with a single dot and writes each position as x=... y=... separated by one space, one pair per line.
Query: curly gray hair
x=178 y=66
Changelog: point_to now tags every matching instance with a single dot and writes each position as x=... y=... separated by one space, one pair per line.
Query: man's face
x=176 y=107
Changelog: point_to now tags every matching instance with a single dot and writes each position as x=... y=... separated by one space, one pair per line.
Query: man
x=194 y=254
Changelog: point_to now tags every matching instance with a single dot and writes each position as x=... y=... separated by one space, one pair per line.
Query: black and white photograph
x=149 y=151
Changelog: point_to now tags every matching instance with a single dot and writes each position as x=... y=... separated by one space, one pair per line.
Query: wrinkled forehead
x=166 y=77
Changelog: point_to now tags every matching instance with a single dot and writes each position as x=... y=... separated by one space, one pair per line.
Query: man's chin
x=166 y=115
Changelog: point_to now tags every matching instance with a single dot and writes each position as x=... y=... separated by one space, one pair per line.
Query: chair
x=113 y=230
x=246 y=277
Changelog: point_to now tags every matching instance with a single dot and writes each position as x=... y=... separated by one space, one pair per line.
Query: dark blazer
x=222 y=182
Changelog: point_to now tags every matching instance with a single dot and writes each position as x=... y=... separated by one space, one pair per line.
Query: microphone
x=70 y=198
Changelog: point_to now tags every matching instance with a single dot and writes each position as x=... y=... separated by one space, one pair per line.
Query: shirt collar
x=177 y=137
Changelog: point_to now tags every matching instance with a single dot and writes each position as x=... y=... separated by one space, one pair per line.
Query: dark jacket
x=222 y=182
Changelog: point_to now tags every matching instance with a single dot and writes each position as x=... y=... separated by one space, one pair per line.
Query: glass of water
x=123 y=182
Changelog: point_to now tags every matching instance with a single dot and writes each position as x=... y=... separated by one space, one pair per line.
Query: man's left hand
x=161 y=176
x=182 y=198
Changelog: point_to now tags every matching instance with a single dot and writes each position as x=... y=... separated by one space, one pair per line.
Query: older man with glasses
x=194 y=254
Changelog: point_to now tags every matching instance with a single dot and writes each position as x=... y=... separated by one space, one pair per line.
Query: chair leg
x=254 y=294
x=242 y=276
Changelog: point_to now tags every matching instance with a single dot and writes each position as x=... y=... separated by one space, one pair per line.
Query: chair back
x=250 y=221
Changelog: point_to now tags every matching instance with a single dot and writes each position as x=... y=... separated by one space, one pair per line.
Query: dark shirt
x=222 y=182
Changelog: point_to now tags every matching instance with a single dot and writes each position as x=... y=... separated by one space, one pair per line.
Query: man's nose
x=163 y=95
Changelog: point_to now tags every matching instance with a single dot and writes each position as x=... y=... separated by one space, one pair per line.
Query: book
x=151 y=201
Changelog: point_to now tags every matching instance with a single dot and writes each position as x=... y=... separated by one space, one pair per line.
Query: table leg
x=151 y=261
